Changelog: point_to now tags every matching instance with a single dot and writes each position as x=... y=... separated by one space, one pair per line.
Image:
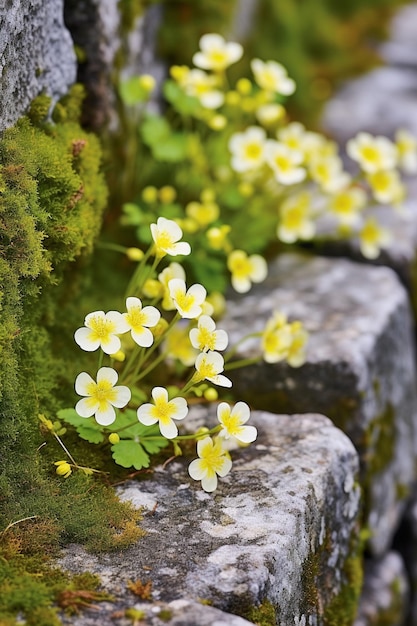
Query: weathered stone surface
x=281 y=528
x=360 y=368
x=36 y=55
x=385 y=593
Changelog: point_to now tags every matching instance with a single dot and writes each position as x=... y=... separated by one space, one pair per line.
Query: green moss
x=263 y=615
x=165 y=615
x=342 y=609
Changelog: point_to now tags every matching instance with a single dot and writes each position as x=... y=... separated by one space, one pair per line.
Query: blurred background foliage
x=320 y=42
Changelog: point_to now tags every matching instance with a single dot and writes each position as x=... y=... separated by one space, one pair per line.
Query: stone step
x=360 y=368
x=279 y=536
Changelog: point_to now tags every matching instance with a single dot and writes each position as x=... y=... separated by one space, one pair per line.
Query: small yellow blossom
x=246 y=270
x=179 y=72
x=276 y=339
x=167 y=194
x=203 y=213
x=205 y=337
x=272 y=76
x=347 y=204
x=269 y=114
x=248 y=149
x=149 y=194
x=386 y=186
x=134 y=254
x=407 y=151
x=209 y=366
x=234 y=421
x=204 y=87
x=100 y=331
x=147 y=82
x=295 y=219
x=216 y=54
x=213 y=461
x=102 y=395
x=119 y=356
x=166 y=235
x=327 y=171
x=372 y=238
x=163 y=412
x=217 y=237
x=293 y=135
x=187 y=302
x=217 y=122
x=63 y=468
x=152 y=288
x=244 y=86
x=114 y=438
x=372 y=153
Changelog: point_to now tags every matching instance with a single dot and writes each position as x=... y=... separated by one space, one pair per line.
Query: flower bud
x=134 y=254
x=114 y=438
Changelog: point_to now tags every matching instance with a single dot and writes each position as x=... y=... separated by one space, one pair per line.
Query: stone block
x=385 y=594
x=278 y=537
x=36 y=55
x=360 y=368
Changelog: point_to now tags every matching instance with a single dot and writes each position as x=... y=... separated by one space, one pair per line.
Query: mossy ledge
x=52 y=199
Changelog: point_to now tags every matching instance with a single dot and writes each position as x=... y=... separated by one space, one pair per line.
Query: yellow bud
x=232 y=98
x=118 y=356
x=202 y=430
x=63 y=468
x=217 y=122
x=148 y=82
x=244 y=86
x=189 y=225
x=160 y=327
x=150 y=194
x=179 y=72
x=167 y=194
x=245 y=189
x=152 y=288
x=208 y=195
x=134 y=254
x=114 y=438
x=211 y=394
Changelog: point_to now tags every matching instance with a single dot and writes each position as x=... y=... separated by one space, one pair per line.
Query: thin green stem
x=236 y=346
x=242 y=363
x=111 y=246
x=100 y=359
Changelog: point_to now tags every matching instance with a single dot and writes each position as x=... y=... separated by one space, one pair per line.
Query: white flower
x=372 y=153
x=188 y=303
x=163 y=411
x=386 y=186
x=234 y=420
x=102 y=395
x=347 y=204
x=246 y=270
x=327 y=171
x=166 y=234
x=407 y=151
x=272 y=76
x=216 y=54
x=100 y=331
x=203 y=87
x=372 y=238
x=214 y=461
x=284 y=162
x=208 y=366
x=206 y=337
x=268 y=114
x=139 y=320
x=248 y=149
x=296 y=219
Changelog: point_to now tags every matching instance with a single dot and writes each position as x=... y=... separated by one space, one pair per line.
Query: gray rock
x=360 y=368
x=280 y=531
x=385 y=594
x=36 y=55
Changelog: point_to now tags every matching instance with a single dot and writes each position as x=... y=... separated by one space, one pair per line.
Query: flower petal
x=107 y=416
x=83 y=384
x=143 y=337
x=226 y=466
x=160 y=394
x=86 y=407
x=168 y=429
x=247 y=434
x=122 y=396
x=107 y=374
x=111 y=344
x=209 y=482
x=82 y=337
x=196 y=469
x=181 y=408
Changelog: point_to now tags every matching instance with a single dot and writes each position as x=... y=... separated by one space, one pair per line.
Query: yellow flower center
x=232 y=424
x=343 y=203
x=136 y=318
x=184 y=300
x=102 y=392
x=207 y=370
x=294 y=218
x=253 y=151
x=163 y=240
x=101 y=328
x=163 y=411
x=211 y=461
x=206 y=339
x=371 y=154
x=283 y=162
x=241 y=267
x=217 y=57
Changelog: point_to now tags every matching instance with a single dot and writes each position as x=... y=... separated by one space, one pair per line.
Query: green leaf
x=154 y=129
x=129 y=453
x=172 y=149
x=153 y=446
x=86 y=427
x=132 y=92
x=184 y=104
x=132 y=215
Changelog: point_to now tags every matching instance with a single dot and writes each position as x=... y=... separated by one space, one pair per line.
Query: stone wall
x=334 y=467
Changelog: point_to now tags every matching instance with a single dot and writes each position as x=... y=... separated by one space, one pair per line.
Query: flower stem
x=242 y=363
